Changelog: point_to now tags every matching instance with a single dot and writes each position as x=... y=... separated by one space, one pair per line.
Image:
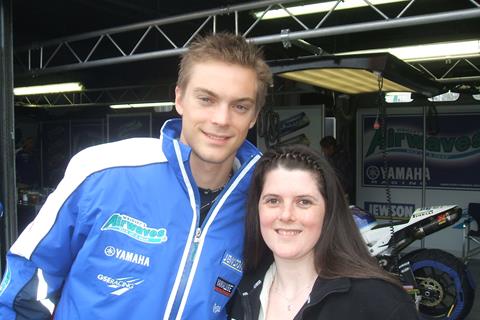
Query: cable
x=381 y=115
x=432 y=119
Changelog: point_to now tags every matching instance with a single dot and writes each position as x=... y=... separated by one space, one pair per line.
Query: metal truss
x=96 y=97
x=449 y=75
x=106 y=47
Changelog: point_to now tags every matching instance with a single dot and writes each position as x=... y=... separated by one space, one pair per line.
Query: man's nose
x=221 y=115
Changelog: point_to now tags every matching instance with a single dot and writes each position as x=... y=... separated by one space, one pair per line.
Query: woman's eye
x=304 y=202
x=272 y=201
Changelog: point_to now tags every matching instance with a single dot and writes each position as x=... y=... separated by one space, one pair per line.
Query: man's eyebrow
x=205 y=91
x=246 y=99
x=213 y=94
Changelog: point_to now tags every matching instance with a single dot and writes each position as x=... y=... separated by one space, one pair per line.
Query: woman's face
x=291 y=210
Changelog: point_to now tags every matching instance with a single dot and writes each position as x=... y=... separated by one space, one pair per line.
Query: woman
x=304 y=256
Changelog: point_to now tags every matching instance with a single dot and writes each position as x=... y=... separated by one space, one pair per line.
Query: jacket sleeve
x=393 y=303
x=375 y=299
x=40 y=259
x=404 y=311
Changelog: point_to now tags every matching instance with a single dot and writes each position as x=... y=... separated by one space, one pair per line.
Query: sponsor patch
x=224 y=287
x=119 y=285
x=127 y=256
x=232 y=262
x=6 y=280
x=135 y=229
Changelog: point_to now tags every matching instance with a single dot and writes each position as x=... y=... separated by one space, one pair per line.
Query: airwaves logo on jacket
x=135 y=229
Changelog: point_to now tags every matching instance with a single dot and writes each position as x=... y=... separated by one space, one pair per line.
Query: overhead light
x=320 y=7
x=49 y=88
x=165 y=106
x=355 y=74
x=431 y=51
x=350 y=81
x=398 y=97
x=446 y=97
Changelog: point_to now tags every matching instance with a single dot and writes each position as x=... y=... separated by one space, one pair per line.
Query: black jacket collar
x=251 y=286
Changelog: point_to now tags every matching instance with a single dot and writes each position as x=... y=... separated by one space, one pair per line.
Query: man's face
x=218 y=108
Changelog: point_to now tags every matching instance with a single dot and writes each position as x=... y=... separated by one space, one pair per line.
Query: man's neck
x=210 y=175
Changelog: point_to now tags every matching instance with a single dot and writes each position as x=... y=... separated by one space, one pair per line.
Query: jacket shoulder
x=382 y=299
x=128 y=152
x=359 y=299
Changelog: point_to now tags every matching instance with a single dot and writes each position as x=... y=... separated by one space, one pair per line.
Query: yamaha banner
x=452 y=151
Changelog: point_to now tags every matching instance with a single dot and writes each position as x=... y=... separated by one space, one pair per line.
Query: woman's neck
x=290 y=288
x=291 y=276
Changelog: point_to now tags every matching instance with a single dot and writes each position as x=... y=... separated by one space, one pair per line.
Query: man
x=340 y=161
x=151 y=228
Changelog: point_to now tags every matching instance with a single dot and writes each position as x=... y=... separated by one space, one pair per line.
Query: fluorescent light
x=349 y=81
x=49 y=88
x=167 y=105
x=432 y=51
x=355 y=74
x=446 y=97
x=403 y=97
x=398 y=97
x=320 y=7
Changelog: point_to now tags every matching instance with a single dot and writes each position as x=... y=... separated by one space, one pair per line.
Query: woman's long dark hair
x=340 y=251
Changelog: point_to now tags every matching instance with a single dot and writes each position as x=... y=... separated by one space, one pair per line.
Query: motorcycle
x=440 y=282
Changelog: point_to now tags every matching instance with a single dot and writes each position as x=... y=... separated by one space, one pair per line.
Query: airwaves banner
x=452 y=151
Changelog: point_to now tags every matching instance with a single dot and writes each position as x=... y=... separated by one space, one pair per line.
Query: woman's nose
x=287 y=213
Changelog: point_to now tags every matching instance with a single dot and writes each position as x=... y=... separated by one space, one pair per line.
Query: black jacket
x=337 y=299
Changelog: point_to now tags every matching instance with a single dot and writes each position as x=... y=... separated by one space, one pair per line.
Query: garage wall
x=298 y=125
x=452 y=174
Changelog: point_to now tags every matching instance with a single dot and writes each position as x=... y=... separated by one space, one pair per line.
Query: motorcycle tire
x=445 y=284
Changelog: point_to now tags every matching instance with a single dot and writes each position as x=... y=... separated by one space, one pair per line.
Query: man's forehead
x=199 y=82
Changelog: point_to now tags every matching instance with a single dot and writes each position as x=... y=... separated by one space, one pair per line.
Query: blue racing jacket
x=120 y=238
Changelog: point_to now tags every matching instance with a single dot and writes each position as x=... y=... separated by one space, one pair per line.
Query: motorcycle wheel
x=445 y=284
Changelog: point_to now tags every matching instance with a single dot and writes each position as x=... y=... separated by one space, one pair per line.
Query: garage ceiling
x=99 y=60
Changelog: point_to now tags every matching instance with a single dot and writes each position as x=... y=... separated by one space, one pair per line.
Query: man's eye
x=241 y=107
x=205 y=99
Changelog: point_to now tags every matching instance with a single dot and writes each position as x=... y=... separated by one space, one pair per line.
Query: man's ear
x=178 y=100
x=252 y=123
x=254 y=120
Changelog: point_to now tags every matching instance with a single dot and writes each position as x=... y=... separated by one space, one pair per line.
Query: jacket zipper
x=246 y=306
x=188 y=265
x=193 y=249
x=186 y=273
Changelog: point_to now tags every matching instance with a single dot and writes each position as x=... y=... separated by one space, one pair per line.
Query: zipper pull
x=198 y=233
x=196 y=240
